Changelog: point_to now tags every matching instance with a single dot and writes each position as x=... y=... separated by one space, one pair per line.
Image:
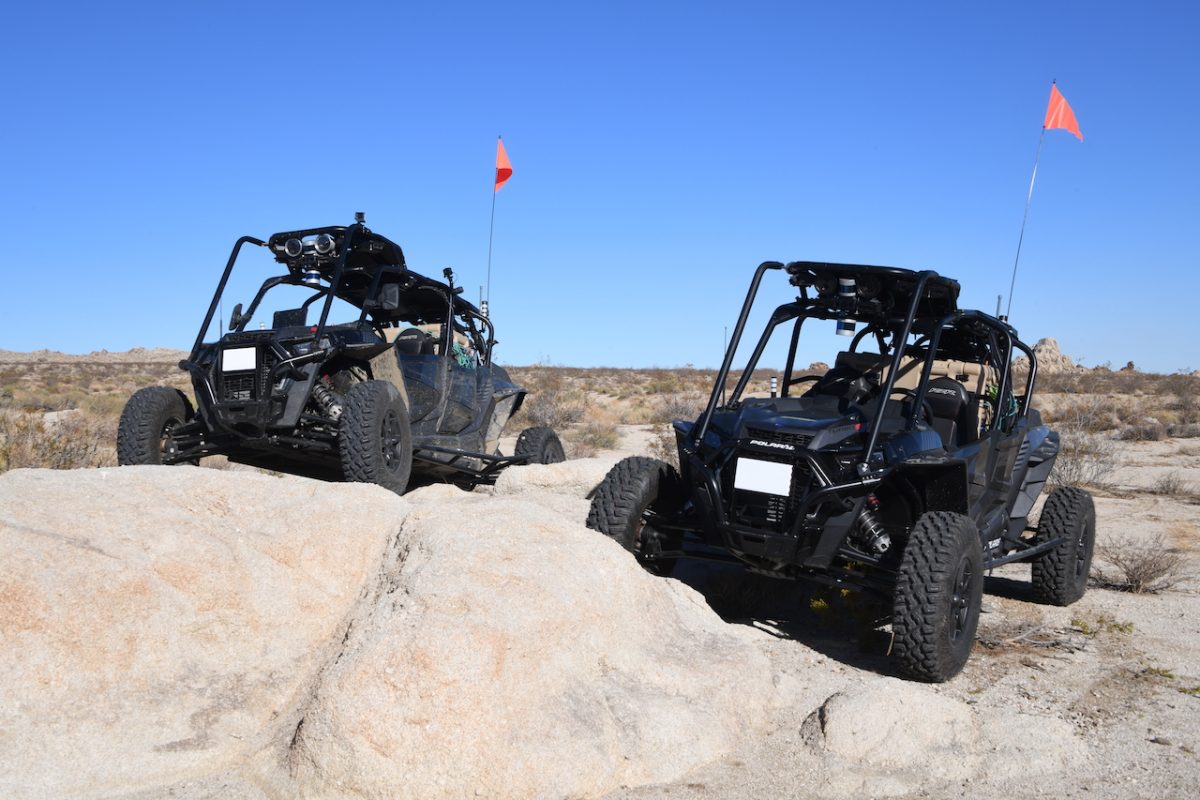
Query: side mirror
x=235 y=318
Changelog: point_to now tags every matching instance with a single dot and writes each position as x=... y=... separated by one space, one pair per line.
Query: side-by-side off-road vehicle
x=906 y=470
x=406 y=388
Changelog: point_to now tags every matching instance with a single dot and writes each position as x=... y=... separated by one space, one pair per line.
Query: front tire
x=631 y=488
x=375 y=436
x=939 y=591
x=144 y=432
x=542 y=446
x=1060 y=576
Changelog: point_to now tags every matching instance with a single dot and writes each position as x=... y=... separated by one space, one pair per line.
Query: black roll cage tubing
x=212 y=307
x=487 y=336
x=727 y=362
x=790 y=311
x=335 y=280
x=804 y=308
x=1009 y=340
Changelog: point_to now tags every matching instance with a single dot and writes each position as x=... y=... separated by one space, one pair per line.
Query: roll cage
x=892 y=302
x=369 y=272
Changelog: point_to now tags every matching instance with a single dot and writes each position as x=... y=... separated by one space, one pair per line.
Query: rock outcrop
x=1050 y=357
x=199 y=633
x=163 y=625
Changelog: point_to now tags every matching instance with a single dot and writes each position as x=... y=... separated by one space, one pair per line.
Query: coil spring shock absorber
x=325 y=398
x=868 y=529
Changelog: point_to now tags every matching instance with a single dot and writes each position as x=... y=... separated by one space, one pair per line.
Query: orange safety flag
x=1059 y=113
x=503 y=167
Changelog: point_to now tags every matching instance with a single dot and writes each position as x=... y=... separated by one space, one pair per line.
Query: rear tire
x=1060 y=576
x=635 y=485
x=144 y=432
x=375 y=437
x=939 y=591
x=542 y=446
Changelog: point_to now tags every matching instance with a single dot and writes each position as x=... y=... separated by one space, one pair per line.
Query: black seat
x=414 y=342
x=948 y=400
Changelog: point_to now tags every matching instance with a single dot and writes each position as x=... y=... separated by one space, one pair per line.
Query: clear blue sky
x=660 y=152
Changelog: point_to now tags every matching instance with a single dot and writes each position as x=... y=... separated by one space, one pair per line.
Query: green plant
x=1159 y=672
x=1103 y=624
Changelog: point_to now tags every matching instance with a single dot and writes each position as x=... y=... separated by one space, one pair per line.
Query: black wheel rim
x=960 y=601
x=1081 y=551
x=390 y=441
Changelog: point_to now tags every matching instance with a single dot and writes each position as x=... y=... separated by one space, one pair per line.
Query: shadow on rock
x=842 y=625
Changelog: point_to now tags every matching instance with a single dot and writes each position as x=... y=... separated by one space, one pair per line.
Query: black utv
x=406 y=386
x=906 y=470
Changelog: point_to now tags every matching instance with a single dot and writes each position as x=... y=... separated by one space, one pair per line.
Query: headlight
x=325 y=244
x=293 y=247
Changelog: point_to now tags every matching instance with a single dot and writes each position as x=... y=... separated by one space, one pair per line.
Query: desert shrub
x=1185 y=406
x=555 y=405
x=680 y=405
x=1141 y=567
x=69 y=442
x=1084 y=459
x=1086 y=415
x=1190 y=430
x=663 y=447
x=586 y=440
x=1172 y=485
x=1153 y=431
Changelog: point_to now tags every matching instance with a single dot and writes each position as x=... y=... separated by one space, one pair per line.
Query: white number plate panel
x=238 y=359
x=769 y=477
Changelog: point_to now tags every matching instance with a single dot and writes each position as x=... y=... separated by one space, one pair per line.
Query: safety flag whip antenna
x=503 y=173
x=1058 y=115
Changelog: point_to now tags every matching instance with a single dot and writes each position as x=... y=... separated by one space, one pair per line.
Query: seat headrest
x=947 y=397
x=414 y=342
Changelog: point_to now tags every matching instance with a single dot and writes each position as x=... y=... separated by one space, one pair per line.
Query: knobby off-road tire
x=939 y=592
x=541 y=445
x=375 y=437
x=143 y=434
x=631 y=487
x=1060 y=575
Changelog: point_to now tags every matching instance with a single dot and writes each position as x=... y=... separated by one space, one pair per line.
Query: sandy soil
x=1122 y=670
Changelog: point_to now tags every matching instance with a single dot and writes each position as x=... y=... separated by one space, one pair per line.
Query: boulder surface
x=200 y=633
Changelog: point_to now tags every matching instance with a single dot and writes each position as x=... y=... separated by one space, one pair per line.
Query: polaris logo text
x=779 y=445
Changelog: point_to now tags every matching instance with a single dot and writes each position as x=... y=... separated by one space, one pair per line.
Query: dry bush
x=1185 y=406
x=663 y=446
x=555 y=404
x=1140 y=567
x=1172 y=485
x=28 y=440
x=1085 y=414
x=1153 y=431
x=1190 y=430
x=1084 y=459
x=586 y=440
x=681 y=405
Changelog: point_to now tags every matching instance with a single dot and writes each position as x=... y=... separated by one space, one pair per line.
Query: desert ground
x=712 y=684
